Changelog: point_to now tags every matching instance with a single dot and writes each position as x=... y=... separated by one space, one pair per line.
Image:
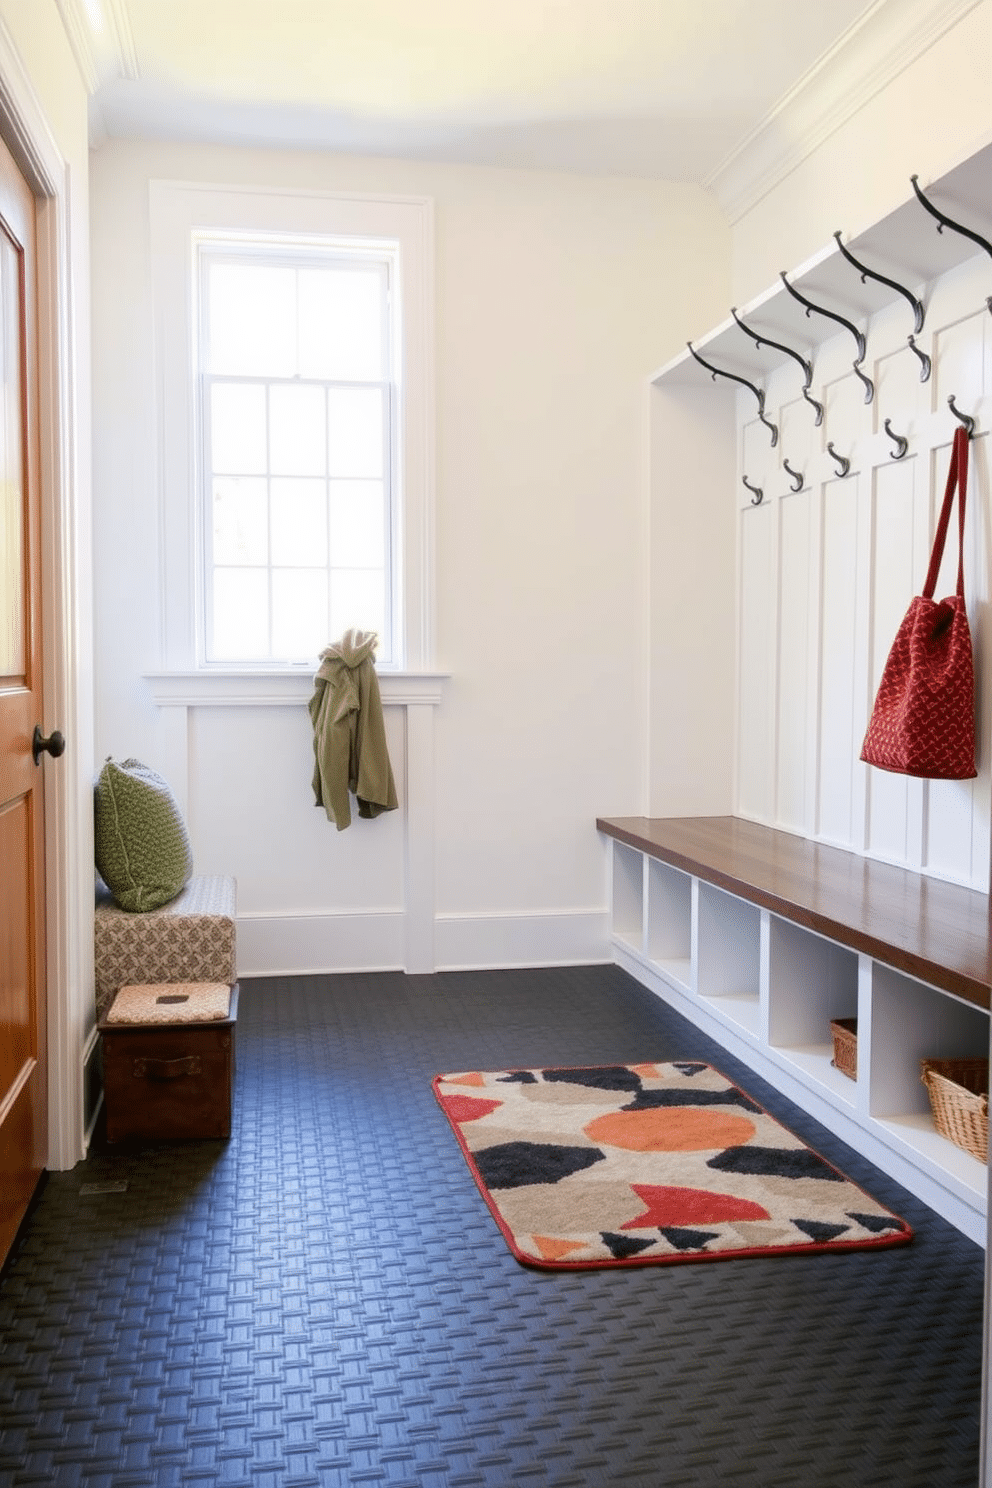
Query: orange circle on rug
x=670 y=1129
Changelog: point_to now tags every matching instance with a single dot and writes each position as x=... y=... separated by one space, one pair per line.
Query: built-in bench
x=191 y=939
x=762 y=938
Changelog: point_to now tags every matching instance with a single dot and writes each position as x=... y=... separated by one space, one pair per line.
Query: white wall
x=553 y=296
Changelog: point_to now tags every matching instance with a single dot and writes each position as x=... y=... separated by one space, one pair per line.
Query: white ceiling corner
x=871 y=52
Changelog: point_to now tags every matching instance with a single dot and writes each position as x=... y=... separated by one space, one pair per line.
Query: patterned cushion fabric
x=143 y=850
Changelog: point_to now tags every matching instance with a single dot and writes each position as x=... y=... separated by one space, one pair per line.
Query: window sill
x=220 y=689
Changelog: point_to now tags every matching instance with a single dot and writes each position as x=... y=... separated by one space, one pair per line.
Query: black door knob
x=54 y=744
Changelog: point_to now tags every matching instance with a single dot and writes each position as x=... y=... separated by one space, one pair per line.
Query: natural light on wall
x=297 y=439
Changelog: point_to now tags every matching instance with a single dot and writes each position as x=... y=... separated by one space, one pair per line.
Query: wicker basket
x=959 y=1097
x=845 y=1032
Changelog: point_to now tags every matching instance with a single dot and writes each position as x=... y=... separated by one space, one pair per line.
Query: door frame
x=65 y=613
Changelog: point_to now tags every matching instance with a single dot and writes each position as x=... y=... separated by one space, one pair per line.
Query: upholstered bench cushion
x=191 y=939
x=171 y=1002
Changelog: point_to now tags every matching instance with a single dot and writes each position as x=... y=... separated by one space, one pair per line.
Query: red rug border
x=821 y=1247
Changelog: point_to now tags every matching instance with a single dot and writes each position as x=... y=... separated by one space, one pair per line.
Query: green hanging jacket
x=349 y=734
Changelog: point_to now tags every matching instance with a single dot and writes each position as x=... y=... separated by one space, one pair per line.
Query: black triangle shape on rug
x=623 y=1246
x=688 y=1068
x=877 y=1223
x=778 y=1162
x=688 y=1239
x=516 y=1164
x=518 y=1077
x=817 y=1230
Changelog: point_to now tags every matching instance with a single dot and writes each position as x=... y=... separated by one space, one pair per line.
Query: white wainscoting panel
x=757 y=626
x=826 y=573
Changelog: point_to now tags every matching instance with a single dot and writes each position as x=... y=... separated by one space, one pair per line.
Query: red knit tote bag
x=923 y=721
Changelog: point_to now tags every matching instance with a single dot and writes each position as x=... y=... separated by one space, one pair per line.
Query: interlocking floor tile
x=324 y=1300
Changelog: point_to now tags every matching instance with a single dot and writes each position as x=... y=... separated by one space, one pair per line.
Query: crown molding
x=80 y=34
x=102 y=42
x=887 y=39
x=120 y=20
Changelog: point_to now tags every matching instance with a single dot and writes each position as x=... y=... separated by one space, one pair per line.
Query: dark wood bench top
x=936 y=931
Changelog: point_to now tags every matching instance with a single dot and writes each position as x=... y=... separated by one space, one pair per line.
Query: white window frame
x=183 y=214
x=278 y=250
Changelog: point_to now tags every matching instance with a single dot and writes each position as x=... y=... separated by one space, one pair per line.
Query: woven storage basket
x=959 y=1097
x=845 y=1032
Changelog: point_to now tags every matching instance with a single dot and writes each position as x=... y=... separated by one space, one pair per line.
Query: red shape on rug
x=468 y=1107
x=684 y=1206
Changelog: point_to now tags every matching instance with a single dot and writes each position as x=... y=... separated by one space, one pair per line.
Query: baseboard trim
x=312 y=943
x=92 y=1086
x=297 y=944
x=476 y=942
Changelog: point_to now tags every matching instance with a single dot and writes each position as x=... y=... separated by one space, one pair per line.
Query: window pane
x=357 y=599
x=298 y=444
x=299 y=523
x=355 y=431
x=237 y=429
x=240 y=520
x=341 y=313
x=241 y=614
x=299 y=613
x=358 y=527
x=252 y=320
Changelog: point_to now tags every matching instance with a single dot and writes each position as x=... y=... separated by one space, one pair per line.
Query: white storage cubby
x=628 y=896
x=728 y=956
x=911 y=1022
x=669 y=921
x=767 y=988
x=811 y=982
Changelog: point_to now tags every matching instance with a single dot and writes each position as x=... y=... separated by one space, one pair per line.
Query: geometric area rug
x=645 y=1164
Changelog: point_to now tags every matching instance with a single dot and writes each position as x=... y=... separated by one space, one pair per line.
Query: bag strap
x=957 y=479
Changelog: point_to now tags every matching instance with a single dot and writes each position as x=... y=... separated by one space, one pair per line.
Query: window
x=295 y=420
x=297 y=435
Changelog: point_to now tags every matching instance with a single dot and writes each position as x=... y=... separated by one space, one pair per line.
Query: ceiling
x=660 y=88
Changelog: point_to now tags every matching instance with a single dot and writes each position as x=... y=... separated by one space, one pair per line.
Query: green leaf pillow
x=143 y=851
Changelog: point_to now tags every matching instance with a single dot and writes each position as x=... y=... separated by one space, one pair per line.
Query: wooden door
x=23 y=1083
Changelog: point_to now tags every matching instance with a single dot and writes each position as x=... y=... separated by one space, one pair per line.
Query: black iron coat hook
x=797 y=476
x=757 y=493
x=859 y=339
x=944 y=221
x=718 y=372
x=807 y=366
x=899 y=440
x=843 y=464
x=963 y=418
x=916 y=305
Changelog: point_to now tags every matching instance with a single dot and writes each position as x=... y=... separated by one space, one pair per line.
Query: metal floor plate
x=324 y=1300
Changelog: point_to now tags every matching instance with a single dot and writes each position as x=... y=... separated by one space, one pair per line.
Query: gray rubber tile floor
x=325 y=1301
